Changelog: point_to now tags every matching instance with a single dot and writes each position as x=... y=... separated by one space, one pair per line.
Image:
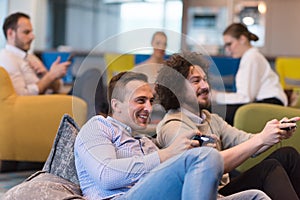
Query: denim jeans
x=194 y=174
x=252 y=194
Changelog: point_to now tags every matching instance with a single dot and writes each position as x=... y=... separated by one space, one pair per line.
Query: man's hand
x=59 y=70
x=274 y=131
x=51 y=79
x=180 y=144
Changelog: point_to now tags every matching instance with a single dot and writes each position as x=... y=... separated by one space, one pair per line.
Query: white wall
x=3 y=14
x=89 y=23
x=282 y=24
x=282 y=28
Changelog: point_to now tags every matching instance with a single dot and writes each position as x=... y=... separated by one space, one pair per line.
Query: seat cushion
x=61 y=161
x=44 y=186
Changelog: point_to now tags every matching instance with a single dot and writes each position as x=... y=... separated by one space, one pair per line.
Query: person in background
x=255 y=80
x=159 y=44
x=28 y=74
x=278 y=175
x=150 y=67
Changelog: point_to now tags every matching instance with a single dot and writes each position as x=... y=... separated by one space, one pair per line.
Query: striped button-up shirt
x=109 y=160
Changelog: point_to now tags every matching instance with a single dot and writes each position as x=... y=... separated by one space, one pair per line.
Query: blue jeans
x=252 y=194
x=194 y=174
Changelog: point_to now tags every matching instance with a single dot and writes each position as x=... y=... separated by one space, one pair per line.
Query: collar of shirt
x=16 y=50
x=195 y=118
x=127 y=128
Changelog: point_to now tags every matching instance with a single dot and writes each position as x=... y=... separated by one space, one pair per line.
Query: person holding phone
x=27 y=72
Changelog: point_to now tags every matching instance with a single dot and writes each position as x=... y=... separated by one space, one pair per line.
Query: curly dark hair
x=171 y=79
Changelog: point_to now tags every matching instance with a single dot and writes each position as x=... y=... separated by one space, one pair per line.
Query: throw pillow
x=61 y=161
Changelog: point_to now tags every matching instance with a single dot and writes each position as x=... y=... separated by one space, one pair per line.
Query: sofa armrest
x=253 y=117
x=31 y=124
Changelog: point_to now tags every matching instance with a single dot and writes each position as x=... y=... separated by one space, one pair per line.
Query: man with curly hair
x=184 y=91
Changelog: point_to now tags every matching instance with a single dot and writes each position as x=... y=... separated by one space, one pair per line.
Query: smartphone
x=70 y=58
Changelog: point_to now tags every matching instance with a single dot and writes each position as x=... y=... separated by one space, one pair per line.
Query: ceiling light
x=248 y=21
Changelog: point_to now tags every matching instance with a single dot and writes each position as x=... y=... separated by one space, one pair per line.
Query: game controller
x=290 y=127
x=203 y=139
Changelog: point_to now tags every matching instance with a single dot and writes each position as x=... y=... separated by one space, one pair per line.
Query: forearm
x=56 y=85
x=261 y=150
x=236 y=155
x=45 y=82
x=118 y=173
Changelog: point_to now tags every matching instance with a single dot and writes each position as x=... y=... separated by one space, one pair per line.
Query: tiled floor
x=10 y=179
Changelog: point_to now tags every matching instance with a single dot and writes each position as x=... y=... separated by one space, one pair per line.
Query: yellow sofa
x=253 y=117
x=28 y=124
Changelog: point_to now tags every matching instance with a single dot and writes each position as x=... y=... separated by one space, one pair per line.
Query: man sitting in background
x=28 y=74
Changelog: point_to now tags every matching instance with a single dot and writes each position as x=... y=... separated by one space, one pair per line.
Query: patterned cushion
x=60 y=161
x=44 y=186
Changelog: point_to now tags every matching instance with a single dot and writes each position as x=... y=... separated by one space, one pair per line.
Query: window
x=3 y=14
x=153 y=15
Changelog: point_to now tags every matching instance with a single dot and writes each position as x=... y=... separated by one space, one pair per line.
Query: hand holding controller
x=289 y=128
x=203 y=139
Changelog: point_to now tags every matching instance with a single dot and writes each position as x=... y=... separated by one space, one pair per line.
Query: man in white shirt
x=28 y=74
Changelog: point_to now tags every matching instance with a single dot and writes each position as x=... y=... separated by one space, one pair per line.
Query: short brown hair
x=11 y=21
x=116 y=86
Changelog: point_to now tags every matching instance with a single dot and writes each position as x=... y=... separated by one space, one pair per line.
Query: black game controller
x=203 y=139
x=290 y=127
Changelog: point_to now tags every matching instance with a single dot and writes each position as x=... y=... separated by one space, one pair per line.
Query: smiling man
x=186 y=101
x=112 y=162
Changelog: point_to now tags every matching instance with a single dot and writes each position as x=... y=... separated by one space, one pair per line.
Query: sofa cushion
x=42 y=186
x=61 y=161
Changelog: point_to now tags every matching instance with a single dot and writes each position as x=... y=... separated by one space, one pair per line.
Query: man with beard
x=186 y=100
x=28 y=74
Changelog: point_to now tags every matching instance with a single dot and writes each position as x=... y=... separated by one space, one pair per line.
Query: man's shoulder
x=94 y=121
x=5 y=52
x=175 y=116
x=213 y=117
x=8 y=60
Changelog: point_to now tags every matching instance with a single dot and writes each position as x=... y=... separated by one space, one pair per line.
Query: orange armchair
x=29 y=123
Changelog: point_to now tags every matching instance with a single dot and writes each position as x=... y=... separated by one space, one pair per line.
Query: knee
x=257 y=194
x=270 y=163
x=285 y=154
x=209 y=156
x=288 y=150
